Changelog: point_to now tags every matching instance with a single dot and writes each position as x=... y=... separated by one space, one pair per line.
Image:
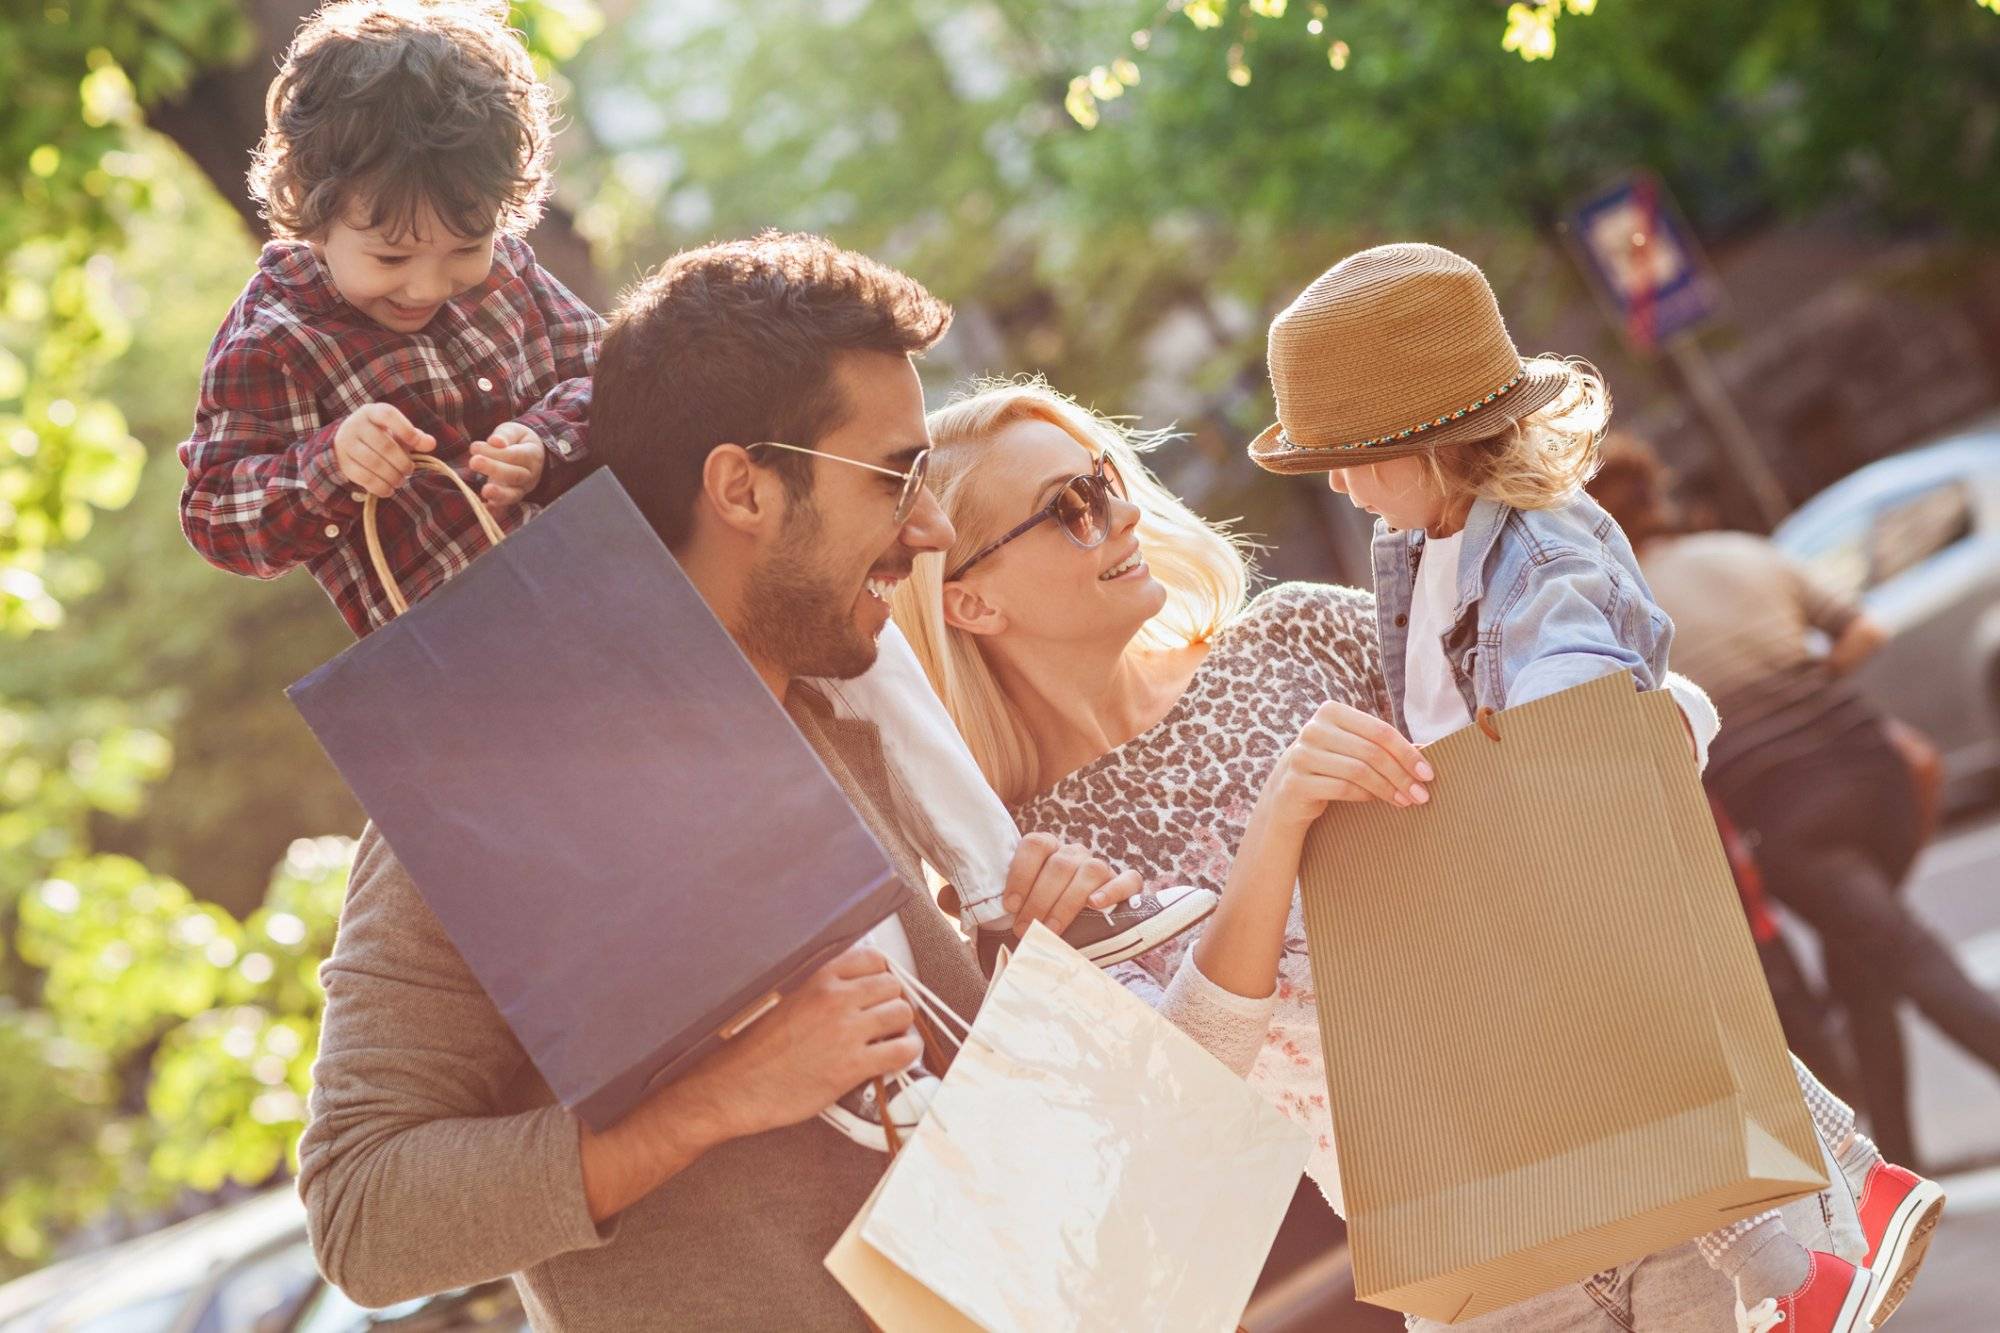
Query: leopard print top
x=1172 y=802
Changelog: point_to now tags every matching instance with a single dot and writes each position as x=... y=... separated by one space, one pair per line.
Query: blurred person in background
x=1820 y=783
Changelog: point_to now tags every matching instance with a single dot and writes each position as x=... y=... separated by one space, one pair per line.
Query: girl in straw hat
x=1497 y=581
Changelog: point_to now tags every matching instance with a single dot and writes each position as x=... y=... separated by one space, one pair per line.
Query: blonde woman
x=1117 y=686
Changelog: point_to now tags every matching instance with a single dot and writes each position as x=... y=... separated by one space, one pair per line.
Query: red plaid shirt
x=264 y=492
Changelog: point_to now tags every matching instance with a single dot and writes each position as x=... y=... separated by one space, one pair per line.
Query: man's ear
x=965 y=609
x=734 y=489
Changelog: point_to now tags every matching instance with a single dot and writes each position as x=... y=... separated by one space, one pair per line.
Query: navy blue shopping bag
x=617 y=824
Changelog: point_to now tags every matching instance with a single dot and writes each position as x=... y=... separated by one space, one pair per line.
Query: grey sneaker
x=859 y=1114
x=1110 y=935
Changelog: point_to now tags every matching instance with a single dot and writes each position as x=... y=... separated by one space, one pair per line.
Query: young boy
x=397 y=313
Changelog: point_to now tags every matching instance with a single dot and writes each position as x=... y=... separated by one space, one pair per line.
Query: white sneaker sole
x=1853 y=1316
x=1904 y=1245
x=1174 y=918
x=906 y=1110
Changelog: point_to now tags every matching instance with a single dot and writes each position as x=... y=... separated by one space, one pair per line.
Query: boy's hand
x=373 y=447
x=512 y=461
x=1343 y=754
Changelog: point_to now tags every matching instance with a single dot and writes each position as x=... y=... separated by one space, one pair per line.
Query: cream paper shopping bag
x=894 y=1301
x=1084 y=1166
x=1549 y=1045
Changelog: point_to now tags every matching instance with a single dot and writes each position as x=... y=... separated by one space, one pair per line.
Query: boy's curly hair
x=395 y=106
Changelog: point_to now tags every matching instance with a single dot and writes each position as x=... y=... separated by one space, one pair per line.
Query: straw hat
x=1394 y=351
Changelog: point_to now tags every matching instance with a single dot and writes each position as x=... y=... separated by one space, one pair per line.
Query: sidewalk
x=1959 y=1289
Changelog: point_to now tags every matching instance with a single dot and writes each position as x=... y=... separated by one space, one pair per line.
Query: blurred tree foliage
x=154 y=1038
x=1784 y=106
x=1237 y=151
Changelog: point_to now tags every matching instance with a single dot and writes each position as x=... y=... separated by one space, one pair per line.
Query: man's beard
x=796 y=621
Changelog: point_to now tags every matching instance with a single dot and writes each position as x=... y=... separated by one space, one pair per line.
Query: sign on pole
x=1648 y=270
x=1644 y=261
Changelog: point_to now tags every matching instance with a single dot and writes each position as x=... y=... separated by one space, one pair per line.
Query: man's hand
x=1343 y=754
x=848 y=1024
x=511 y=459
x=1052 y=881
x=373 y=447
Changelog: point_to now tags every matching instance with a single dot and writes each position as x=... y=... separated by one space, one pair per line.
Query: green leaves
x=1530 y=33
x=221 y=1017
x=125 y=954
x=1205 y=13
x=557 y=29
x=1531 y=28
x=228 y=1096
x=145 y=993
x=64 y=1152
x=1103 y=84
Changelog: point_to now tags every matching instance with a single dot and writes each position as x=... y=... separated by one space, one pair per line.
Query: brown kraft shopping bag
x=1549 y=1046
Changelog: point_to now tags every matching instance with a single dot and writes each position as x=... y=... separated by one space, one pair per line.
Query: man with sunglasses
x=436 y=1156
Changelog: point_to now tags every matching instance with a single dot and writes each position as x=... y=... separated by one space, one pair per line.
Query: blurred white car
x=242 y=1268
x=1916 y=536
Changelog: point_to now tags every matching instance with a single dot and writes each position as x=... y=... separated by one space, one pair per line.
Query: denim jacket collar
x=1564 y=601
x=1484 y=523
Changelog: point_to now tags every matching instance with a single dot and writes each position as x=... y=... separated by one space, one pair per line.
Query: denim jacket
x=1547 y=599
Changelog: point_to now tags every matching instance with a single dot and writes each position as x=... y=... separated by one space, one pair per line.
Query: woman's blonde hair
x=1544 y=459
x=1204 y=567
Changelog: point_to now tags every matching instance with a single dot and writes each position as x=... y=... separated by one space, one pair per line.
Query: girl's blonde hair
x=1203 y=566
x=1544 y=459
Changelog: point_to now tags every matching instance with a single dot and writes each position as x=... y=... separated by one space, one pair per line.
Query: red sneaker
x=1832 y=1299
x=1899 y=1213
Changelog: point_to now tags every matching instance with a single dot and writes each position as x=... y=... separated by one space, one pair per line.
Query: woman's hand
x=1052 y=882
x=1343 y=754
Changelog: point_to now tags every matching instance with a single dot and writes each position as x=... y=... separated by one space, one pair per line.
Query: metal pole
x=1736 y=444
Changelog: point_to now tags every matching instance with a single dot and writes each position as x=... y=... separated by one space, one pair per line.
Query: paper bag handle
x=935 y=1021
x=487 y=524
x=1484 y=717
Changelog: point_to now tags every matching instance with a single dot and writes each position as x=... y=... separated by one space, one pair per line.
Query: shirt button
x=358 y=496
x=333 y=529
x=485 y=385
x=1402 y=621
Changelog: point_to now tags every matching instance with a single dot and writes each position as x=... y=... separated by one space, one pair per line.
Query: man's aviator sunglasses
x=913 y=480
x=1082 y=508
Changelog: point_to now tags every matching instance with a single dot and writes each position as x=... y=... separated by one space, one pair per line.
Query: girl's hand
x=1343 y=754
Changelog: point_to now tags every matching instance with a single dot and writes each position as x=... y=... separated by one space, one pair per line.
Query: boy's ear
x=965 y=609
x=735 y=489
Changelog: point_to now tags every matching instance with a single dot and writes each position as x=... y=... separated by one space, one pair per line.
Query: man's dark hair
x=735 y=343
x=396 y=105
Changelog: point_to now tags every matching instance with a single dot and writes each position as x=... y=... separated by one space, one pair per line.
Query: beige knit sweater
x=437 y=1157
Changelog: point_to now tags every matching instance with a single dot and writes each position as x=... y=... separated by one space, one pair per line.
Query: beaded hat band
x=1396 y=350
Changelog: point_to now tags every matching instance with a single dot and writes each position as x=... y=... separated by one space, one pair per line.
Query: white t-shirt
x=891 y=941
x=1432 y=705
